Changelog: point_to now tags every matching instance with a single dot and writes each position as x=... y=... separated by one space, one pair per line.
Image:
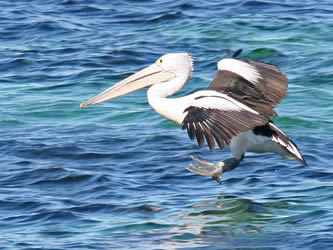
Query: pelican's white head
x=181 y=66
x=170 y=72
x=177 y=63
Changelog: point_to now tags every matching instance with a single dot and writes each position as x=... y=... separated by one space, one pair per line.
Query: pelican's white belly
x=250 y=142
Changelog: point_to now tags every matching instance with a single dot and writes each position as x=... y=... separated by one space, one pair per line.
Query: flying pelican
x=233 y=111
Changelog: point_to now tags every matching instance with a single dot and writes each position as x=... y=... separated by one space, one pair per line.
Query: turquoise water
x=113 y=175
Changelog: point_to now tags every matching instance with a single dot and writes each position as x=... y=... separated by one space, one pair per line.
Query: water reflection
x=230 y=221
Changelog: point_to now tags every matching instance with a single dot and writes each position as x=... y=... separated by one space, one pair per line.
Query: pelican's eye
x=161 y=60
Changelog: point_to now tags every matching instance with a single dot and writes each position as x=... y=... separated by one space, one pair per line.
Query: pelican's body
x=233 y=111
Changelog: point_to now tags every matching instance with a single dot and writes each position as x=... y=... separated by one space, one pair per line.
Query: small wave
x=146 y=208
x=147 y=226
x=263 y=52
x=70 y=179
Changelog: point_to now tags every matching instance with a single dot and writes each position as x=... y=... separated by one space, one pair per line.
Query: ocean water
x=113 y=176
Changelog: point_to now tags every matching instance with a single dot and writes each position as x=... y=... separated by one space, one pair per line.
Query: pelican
x=235 y=110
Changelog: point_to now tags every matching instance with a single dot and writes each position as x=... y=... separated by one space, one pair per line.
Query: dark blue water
x=113 y=175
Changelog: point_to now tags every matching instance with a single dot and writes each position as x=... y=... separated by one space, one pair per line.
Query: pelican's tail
x=290 y=148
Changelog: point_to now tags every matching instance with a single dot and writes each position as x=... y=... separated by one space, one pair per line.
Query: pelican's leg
x=215 y=170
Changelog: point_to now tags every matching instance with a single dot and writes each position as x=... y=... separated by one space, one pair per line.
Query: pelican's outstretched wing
x=258 y=85
x=218 y=117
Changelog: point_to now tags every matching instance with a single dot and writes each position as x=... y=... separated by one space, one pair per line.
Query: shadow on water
x=228 y=222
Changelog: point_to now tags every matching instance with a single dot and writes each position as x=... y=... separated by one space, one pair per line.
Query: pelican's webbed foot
x=206 y=168
x=215 y=170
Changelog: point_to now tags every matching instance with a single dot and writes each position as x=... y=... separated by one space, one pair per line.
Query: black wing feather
x=220 y=125
x=261 y=96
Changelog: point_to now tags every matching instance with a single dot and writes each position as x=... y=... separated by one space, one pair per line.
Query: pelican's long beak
x=144 y=78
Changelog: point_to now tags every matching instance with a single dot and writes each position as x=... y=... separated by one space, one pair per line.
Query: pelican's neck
x=170 y=108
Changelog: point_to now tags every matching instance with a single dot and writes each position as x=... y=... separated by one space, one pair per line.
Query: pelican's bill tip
x=83 y=104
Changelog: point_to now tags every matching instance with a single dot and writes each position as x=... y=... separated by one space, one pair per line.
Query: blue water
x=113 y=175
